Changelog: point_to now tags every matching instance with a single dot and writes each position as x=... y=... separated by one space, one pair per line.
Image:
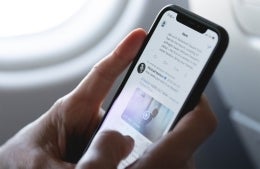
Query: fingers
x=106 y=151
x=177 y=147
x=83 y=103
x=195 y=127
x=98 y=82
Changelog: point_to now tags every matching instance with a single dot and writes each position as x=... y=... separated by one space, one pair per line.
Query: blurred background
x=48 y=46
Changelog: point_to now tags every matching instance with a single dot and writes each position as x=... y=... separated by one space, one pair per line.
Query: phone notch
x=193 y=24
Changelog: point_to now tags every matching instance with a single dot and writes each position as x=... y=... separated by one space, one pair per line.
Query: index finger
x=97 y=83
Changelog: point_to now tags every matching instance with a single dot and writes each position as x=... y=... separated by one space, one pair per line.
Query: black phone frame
x=206 y=73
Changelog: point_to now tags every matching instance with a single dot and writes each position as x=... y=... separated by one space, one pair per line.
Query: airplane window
x=64 y=37
x=33 y=16
x=39 y=33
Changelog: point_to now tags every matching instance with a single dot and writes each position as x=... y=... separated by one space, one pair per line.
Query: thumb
x=106 y=151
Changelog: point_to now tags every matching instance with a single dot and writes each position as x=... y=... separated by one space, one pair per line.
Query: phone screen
x=160 y=82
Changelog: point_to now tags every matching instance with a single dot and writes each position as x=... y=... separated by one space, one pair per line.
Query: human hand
x=58 y=138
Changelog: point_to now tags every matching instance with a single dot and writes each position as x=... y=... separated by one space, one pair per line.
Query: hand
x=58 y=138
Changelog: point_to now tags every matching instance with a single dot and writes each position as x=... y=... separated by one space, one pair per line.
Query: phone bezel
x=206 y=73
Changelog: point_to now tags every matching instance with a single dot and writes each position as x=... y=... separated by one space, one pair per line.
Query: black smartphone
x=167 y=77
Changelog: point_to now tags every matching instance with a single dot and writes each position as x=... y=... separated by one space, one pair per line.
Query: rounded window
x=48 y=40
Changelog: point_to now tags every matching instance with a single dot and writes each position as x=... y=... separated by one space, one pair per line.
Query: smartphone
x=166 y=79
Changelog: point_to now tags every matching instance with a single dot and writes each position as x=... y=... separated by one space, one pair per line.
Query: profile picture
x=141 y=68
x=148 y=116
